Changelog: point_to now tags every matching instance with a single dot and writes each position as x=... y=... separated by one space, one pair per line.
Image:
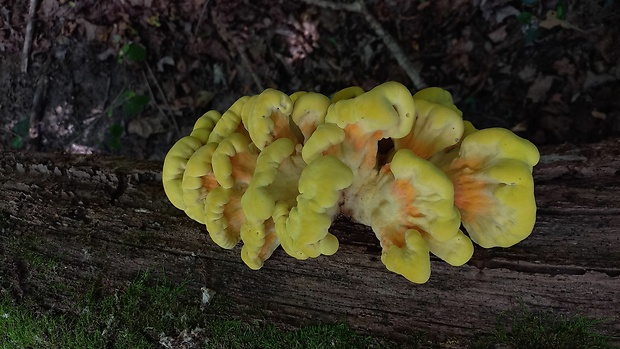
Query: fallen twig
x=359 y=6
x=233 y=44
x=163 y=96
x=248 y=66
x=36 y=112
x=201 y=18
x=94 y=119
x=28 y=38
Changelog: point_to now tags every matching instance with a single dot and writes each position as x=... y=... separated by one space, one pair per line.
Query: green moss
x=132 y=318
x=146 y=311
x=139 y=315
x=527 y=329
x=239 y=335
x=36 y=260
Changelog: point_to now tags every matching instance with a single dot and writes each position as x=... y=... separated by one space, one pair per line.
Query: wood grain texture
x=104 y=220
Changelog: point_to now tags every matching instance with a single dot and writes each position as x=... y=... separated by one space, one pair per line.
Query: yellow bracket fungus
x=317 y=204
x=276 y=170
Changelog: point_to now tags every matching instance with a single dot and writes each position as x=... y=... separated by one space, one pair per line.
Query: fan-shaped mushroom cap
x=275 y=179
x=387 y=108
x=234 y=161
x=309 y=112
x=320 y=192
x=204 y=125
x=198 y=181
x=174 y=167
x=230 y=122
x=408 y=198
x=437 y=125
x=409 y=259
x=455 y=251
x=267 y=117
x=347 y=93
x=494 y=187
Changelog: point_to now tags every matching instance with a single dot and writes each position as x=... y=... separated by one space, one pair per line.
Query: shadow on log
x=104 y=220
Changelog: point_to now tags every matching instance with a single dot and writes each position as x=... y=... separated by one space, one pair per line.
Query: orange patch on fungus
x=406 y=194
x=421 y=149
x=392 y=236
x=362 y=144
x=234 y=214
x=358 y=139
x=470 y=194
x=281 y=127
x=209 y=182
x=243 y=165
x=267 y=249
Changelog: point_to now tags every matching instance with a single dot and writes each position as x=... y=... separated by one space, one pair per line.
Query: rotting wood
x=104 y=220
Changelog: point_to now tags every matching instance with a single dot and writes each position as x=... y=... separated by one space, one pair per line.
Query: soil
x=547 y=69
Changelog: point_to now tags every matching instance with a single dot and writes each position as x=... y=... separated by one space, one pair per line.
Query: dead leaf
x=520 y=127
x=505 y=12
x=187 y=87
x=106 y=54
x=498 y=34
x=555 y=105
x=181 y=66
x=48 y=7
x=183 y=102
x=424 y=5
x=556 y=98
x=598 y=115
x=538 y=90
x=91 y=31
x=605 y=44
x=594 y=80
x=551 y=21
x=214 y=49
x=145 y=127
x=564 y=67
x=488 y=7
x=203 y=99
x=166 y=60
x=528 y=73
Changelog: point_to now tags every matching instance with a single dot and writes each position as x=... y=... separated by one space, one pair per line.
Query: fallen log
x=103 y=220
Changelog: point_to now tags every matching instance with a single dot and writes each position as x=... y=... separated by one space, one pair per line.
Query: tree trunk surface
x=103 y=221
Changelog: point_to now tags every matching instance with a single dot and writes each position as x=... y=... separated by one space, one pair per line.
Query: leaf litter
x=547 y=69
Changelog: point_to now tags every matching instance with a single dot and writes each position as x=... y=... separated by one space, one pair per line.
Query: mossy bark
x=68 y=223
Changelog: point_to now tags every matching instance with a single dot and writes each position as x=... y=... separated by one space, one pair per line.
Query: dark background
x=548 y=70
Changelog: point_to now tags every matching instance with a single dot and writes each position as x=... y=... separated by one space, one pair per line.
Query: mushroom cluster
x=276 y=169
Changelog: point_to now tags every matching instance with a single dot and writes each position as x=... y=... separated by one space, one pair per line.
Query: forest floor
x=547 y=69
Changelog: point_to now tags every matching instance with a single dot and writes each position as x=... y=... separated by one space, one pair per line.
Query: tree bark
x=70 y=222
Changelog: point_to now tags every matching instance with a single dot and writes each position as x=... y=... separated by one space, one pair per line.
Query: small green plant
x=530 y=35
x=130 y=102
x=560 y=10
x=114 y=136
x=525 y=17
x=20 y=131
x=133 y=103
x=132 y=52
